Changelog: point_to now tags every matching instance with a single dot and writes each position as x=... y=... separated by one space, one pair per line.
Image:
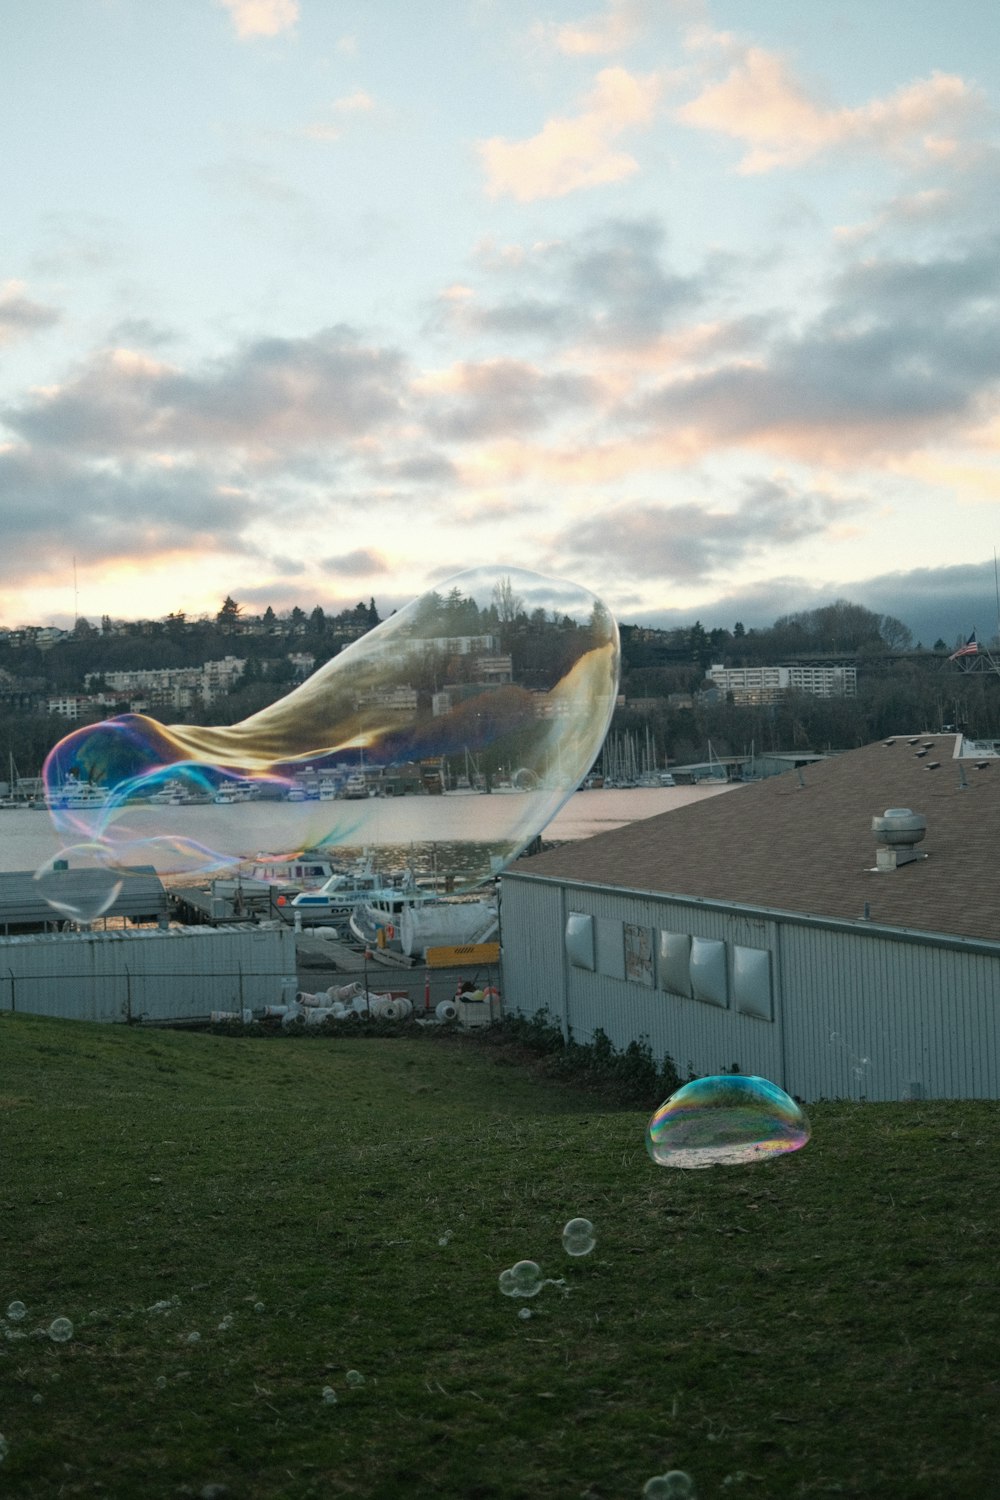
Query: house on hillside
x=770 y=931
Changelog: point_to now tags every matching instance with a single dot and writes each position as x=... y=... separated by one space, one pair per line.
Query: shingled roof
x=802 y=842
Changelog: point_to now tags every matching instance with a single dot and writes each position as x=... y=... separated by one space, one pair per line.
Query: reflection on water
x=393 y=827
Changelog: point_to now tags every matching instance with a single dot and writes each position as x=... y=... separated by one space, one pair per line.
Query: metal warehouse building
x=763 y=930
x=152 y=974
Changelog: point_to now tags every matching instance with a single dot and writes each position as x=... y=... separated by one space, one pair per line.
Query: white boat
x=307 y=870
x=436 y=924
x=78 y=794
x=334 y=901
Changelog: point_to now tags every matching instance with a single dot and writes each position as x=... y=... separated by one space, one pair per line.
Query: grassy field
x=825 y=1324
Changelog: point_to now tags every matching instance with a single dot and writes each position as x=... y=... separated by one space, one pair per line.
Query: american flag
x=971 y=648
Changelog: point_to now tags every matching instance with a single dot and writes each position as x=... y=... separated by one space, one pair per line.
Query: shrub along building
x=774 y=930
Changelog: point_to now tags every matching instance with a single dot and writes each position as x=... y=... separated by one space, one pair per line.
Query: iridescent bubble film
x=80 y=882
x=491 y=694
x=725 y=1121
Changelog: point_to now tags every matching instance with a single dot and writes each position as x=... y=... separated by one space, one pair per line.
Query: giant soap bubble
x=490 y=694
x=725 y=1121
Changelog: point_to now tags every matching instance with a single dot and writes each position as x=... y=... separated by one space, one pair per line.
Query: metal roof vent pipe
x=896 y=832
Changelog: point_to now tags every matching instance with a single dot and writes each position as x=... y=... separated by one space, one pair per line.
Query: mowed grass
x=824 y=1324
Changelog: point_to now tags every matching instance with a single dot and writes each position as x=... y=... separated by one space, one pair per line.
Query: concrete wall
x=181 y=973
x=825 y=1009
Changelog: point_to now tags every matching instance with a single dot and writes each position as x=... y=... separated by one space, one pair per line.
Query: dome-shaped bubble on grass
x=498 y=682
x=729 y=1120
x=80 y=882
x=16 y=1311
x=60 y=1330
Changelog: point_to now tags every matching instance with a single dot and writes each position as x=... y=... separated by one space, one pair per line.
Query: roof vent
x=896 y=832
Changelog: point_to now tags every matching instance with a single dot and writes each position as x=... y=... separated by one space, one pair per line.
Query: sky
x=692 y=302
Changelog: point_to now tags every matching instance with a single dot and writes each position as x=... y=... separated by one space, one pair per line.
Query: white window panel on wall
x=674 y=965
x=752 y=993
x=580 y=940
x=708 y=971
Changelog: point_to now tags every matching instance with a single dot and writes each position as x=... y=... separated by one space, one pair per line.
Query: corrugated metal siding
x=153 y=975
x=856 y=1014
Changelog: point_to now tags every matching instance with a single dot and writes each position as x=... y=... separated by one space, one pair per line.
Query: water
x=394 y=824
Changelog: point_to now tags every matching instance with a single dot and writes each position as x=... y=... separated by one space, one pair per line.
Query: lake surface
x=445 y=829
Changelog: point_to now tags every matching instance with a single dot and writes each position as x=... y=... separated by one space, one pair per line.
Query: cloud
x=361 y=563
x=270 y=394
x=575 y=151
x=20 y=317
x=933 y=603
x=52 y=506
x=255 y=18
x=608 y=285
x=905 y=351
x=690 y=543
x=500 y=397
x=611 y=31
x=761 y=104
x=358 y=103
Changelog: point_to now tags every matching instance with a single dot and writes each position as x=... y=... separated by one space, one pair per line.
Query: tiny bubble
x=160 y=1382
x=16 y=1311
x=258 y=1307
x=37 y=1398
x=194 y=1338
x=354 y=1377
x=329 y=1395
x=524 y=1312
x=60 y=1330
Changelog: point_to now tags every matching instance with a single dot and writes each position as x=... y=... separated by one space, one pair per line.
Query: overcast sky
x=693 y=302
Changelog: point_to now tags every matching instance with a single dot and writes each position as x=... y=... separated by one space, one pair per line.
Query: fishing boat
x=307 y=870
x=332 y=903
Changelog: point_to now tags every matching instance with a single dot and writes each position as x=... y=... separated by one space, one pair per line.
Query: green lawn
x=824 y=1324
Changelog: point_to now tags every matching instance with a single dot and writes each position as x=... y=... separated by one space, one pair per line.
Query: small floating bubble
x=160 y=1382
x=725 y=1121
x=526 y=1278
x=524 y=1312
x=673 y=1486
x=37 y=1398
x=329 y=1395
x=60 y=1330
x=16 y=1312
x=258 y=1307
x=354 y=1377
x=578 y=1237
x=194 y=1338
